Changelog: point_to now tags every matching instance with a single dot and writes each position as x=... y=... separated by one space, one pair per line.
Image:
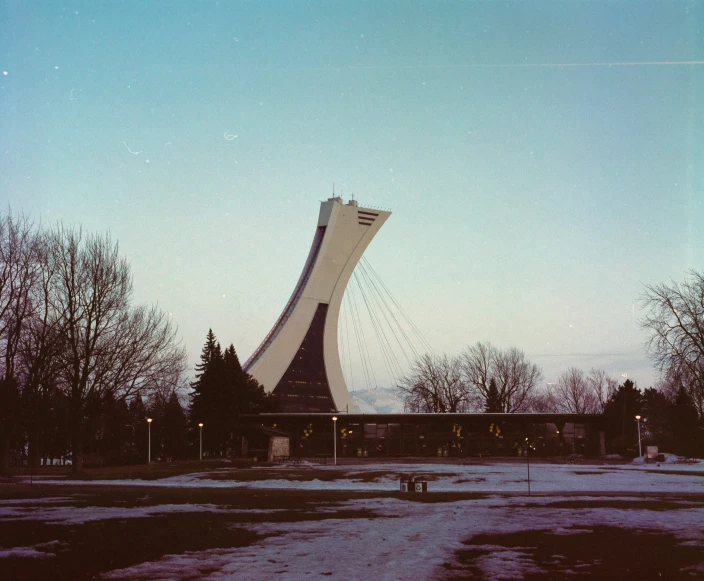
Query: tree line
x=72 y=343
x=484 y=378
x=82 y=368
x=222 y=391
x=481 y=378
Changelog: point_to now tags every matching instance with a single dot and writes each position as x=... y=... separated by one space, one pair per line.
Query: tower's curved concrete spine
x=299 y=359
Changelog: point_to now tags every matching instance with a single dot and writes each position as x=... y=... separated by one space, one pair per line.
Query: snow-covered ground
x=487 y=477
x=405 y=539
x=412 y=543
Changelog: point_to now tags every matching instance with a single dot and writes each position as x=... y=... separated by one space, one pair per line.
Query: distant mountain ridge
x=383 y=400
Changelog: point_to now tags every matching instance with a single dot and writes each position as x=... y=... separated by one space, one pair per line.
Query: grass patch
x=600 y=552
x=677 y=472
x=83 y=551
x=292 y=474
x=469 y=480
x=157 y=470
x=130 y=496
x=634 y=504
x=154 y=471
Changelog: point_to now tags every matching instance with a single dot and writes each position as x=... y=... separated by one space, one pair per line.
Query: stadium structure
x=299 y=359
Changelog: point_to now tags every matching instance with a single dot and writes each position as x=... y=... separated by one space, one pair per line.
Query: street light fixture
x=334 y=438
x=201 y=439
x=149 y=450
x=528 y=462
x=640 y=451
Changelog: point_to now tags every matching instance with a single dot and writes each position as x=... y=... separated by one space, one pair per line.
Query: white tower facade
x=299 y=359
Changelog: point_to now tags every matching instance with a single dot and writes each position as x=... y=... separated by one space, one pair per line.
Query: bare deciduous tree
x=18 y=274
x=478 y=369
x=602 y=386
x=675 y=324
x=91 y=291
x=42 y=342
x=109 y=348
x=145 y=355
x=516 y=378
x=573 y=393
x=434 y=385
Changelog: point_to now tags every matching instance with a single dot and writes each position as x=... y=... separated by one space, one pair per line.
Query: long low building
x=436 y=435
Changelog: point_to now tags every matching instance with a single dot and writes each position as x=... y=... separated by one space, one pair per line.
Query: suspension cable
x=386 y=351
x=359 y=334
x=377 y=307
x=386 y=311
x=408 y=320
x=397 y=335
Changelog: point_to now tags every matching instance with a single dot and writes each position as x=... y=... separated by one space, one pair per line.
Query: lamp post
x=528 y=463
x=640 y=451
x=201 y=440
x=149 y=449
x=334 y=439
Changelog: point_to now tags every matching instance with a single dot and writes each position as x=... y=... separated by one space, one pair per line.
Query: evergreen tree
x=175 y=429
x=235 y=381
x=493 y=400
x=656 y=425
x=113 y=438
x=9 y=412
x=209 y=401
x=139 y=431
x=620 y=412
x=684 y=420
x=259 y=402
x=221 y=392
x=56 y=432
x=248 y=395
x=201 y=398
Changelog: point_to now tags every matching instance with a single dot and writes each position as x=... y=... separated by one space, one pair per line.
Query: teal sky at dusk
x=543 y=160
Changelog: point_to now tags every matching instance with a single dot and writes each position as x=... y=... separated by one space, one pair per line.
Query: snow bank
x=686 y=463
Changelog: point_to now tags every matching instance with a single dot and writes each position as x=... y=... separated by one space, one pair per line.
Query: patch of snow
x=383 y=400
x=50 y=500
x=485 y=477
x=80 y=515
x=502 y=563
x=30 y=552
x=670 y=459
x=404 y=539
x=408 y=540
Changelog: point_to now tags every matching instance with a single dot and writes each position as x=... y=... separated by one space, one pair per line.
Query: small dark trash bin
x=420 y=486
x=414 y=485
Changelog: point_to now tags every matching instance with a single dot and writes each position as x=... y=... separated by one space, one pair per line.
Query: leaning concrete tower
x=299 y=359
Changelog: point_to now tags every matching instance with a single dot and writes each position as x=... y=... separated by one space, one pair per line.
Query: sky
x=543 y=160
